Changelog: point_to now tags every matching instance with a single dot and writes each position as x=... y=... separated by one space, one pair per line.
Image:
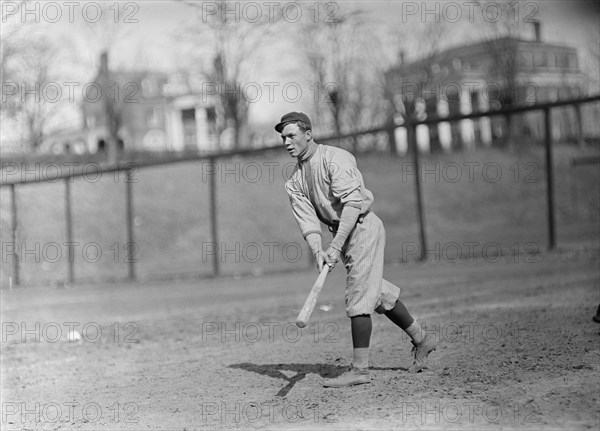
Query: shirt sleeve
x=346 y=180
x=303 y=210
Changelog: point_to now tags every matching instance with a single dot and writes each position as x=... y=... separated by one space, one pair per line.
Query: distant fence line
x=129 y=168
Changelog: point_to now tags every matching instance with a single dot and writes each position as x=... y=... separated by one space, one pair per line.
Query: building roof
x=477 y=49
x=151 y=84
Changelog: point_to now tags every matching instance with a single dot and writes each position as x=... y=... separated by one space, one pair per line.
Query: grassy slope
x=172 y=214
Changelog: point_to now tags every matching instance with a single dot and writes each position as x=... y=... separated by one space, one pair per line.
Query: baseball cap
x=292 y=116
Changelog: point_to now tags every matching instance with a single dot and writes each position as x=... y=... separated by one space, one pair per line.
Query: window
x=562 y=60
x=153 y=115
x=548 y=94
x=529 y=94
x=188 y=117
x=540 y=59
x=475 y=100
x=149 y=87
x=525 y=60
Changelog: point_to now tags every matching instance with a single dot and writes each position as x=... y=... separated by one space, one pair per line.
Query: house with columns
x=483 y=76
x=156 y=111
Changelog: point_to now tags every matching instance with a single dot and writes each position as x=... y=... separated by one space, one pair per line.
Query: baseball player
x=327 y=187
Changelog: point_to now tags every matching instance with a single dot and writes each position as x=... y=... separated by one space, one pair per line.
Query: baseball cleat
x=354 y=376
x=596 y=318
x=420 y=353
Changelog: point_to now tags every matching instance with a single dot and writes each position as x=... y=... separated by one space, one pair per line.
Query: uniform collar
x=308 y=152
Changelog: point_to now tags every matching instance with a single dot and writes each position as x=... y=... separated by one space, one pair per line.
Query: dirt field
x=518 y=350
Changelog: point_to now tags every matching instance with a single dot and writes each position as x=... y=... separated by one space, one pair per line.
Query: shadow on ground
x=276 y=371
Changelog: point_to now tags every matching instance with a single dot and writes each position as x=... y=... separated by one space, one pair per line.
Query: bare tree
x=502 y=29
x=345 y=61
x=418 y=41
x=11 y=46
x=31 y=98
x=31 y=71
x=592 y=65
x=101 y=40
x=232 y=43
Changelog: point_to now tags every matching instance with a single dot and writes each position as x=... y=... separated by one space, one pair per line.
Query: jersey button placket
x=309 y=181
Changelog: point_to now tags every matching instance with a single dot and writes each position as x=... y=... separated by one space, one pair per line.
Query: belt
x=333 y=227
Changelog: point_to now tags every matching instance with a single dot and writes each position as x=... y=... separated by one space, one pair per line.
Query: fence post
x=13 y=235
x=392 y=137
x=509 y=132
x=414 y=148
x=213 y=217
x=549 y=180
x=69 y=231
x=130 y=235
x=580 y=138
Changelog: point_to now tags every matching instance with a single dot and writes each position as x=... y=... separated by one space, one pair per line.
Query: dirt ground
x=517 y=350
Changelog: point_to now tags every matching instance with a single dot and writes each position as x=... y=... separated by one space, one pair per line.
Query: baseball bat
x=311 y=301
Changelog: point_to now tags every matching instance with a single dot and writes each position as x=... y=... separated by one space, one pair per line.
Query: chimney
x=537 y=27
x=104 y=61
x=401 y=56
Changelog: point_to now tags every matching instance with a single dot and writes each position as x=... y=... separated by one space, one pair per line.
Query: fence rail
x=411 y=123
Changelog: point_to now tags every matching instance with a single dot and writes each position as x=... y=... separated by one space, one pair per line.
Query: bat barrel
x=311 y=301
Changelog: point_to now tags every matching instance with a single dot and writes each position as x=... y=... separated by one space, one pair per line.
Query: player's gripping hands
x=329 y=257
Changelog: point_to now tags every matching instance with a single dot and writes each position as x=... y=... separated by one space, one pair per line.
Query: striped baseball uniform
x=323 y=182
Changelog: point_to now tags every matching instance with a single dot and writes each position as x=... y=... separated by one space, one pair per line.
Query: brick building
x=483 y=76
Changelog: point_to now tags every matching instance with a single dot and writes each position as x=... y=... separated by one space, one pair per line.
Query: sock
x=400 y=315
x=360 y=357
x=361 y=330
x=415 y=332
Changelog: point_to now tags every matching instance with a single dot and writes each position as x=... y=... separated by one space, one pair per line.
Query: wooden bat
x=311 y=301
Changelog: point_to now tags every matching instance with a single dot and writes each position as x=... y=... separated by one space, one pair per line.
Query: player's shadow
x=276 y=371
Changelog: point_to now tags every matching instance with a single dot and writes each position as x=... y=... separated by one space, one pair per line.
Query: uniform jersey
x=321 y=185
x=323 y=182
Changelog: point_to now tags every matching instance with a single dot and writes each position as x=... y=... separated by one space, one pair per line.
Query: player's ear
x=308 y=134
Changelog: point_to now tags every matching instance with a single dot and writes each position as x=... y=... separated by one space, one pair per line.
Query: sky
x=148 y=32
x=160 y=20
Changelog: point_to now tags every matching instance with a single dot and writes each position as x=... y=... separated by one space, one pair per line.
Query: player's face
x=294 y=139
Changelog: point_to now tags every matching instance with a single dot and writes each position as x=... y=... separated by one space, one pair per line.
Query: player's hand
x=332 y=256
x=321 y=259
